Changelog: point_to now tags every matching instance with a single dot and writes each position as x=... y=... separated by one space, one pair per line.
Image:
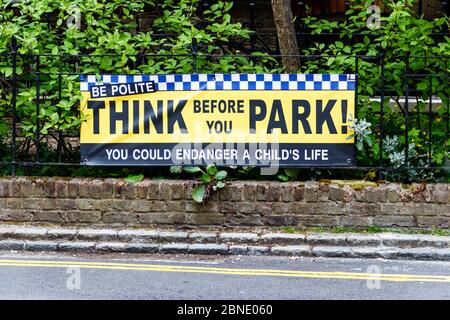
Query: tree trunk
x=287 y=38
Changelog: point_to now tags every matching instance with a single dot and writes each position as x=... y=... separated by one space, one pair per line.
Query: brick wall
x=245 y=203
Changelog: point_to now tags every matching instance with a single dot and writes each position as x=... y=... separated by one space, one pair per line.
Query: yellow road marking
x=226 y=271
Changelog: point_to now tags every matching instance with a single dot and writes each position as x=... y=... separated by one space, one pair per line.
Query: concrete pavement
x=119 y=276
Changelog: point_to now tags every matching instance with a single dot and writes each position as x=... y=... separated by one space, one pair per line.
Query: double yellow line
x=226 y=271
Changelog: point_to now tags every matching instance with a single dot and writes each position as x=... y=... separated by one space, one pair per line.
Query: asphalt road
x=58 y=276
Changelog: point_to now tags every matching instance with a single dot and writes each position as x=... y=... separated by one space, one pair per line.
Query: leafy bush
x=404 y=44
x=94 y=37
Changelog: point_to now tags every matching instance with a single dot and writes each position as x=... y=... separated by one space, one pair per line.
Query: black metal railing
x=34 y=91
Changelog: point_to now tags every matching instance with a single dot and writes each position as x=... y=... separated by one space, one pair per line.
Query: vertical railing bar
x=356 y=99
x=60 y=136
x=38 y=93
x=14 y=103
x=406 y=111
x=447 y=98
x=430 y=107
x=380 y=163
x=194 y=55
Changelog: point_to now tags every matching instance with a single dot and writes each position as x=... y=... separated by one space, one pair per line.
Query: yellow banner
x=210 y=116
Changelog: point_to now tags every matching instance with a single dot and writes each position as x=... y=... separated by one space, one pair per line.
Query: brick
x=192 y=206
x=298 y=193
x=54 y=216
x=4 y=188
x=243 y=220
x=14 y=189
x=355 y=221
x=83 y=216
x=26 y=187
x=317 y=221
x=372 y=194
x=62 y=189
x=336 y=193
x=247 y=207
x=176 y=218
x=250 y=191
x=274 y=193
x=14 y=203
x=119 y=218
x=83 y=188
x=205 y=218
x=173 y=206
x=122 y=205
x=141 y=188
x=65 y=204
x=31 y=203
x=281 y=208
x=281 y=220
x=235 y=192
x=16 y=215
x=154 y=191
x=72 y=188
x=395 y=221
x=433 y=222
x=103 y=205
x=264 y=208
x=228 y=207
x=262 y=192
x=311 y=192
x=286 y=192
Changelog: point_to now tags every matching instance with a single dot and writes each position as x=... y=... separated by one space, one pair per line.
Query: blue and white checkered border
x=197 y=82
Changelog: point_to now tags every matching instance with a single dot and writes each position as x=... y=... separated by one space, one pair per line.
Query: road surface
x=63 y=276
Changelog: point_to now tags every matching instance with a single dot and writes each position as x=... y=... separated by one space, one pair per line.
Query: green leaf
x=220 y=185
x=192 y=169
x=205 y=178
x=283 y=177
x=211 y=169
x=176 y=169
x=221 y=175
x=133 y=178
x=292 y=172
x=199 y=193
